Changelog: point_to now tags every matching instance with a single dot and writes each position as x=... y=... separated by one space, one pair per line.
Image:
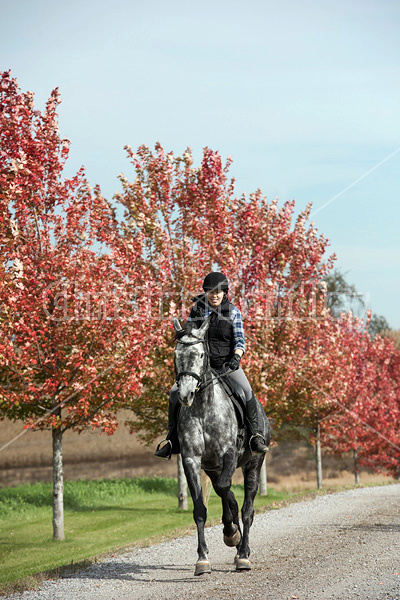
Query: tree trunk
x=356 y=471
x=263 y=489
x=318 y=457
x=182 y=485
x=58 y=486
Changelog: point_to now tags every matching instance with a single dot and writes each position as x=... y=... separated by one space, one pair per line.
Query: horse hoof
x=242 y=564
x=233 y=540
x=202 y=566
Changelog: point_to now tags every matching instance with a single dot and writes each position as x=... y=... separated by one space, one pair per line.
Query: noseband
x=191 y=373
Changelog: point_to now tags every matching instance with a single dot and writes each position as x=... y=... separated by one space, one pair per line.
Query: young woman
x=226 y=343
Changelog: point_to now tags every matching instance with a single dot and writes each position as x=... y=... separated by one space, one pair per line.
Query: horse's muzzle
x=187 y=399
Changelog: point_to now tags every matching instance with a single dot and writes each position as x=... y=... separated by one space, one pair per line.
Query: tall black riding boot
x=257 y=441
x=172 y=445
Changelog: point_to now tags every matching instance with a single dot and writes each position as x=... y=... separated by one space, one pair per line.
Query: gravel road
x=342 y=546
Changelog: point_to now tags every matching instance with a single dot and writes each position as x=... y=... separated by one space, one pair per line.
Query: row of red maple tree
x=89 y=287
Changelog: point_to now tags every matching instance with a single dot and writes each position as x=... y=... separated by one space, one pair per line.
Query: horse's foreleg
x=230 y=510
x=192 y=472
x=251 y=472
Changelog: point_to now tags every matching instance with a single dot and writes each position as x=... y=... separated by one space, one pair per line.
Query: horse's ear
x=176 y=324
x=201 y=332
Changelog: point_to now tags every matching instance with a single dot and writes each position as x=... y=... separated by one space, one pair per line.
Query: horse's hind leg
x=192 y=472
x=251 y=472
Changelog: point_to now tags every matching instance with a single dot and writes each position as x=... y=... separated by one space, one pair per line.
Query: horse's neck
x=207 y=393
x=207 y=397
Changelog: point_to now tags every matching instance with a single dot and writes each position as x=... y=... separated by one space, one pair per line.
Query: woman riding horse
x=226 y=343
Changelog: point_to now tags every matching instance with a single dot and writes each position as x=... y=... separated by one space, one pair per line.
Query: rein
x=195 y=375
x=214 y=378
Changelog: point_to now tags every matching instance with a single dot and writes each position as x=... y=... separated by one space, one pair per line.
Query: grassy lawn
x=100 y=517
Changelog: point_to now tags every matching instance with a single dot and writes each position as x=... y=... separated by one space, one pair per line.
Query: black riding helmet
x=215 y=281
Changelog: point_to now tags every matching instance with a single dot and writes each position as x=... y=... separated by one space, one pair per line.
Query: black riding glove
x=234 y=362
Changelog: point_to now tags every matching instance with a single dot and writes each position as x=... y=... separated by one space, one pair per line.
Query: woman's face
x=215 y=298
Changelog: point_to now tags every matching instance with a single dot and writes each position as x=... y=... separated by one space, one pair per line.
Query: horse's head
x=190 y=359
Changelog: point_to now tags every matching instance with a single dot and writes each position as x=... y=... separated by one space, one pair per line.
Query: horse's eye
x=201 y=355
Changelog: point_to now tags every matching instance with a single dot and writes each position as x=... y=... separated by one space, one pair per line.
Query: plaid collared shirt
x=237 y=326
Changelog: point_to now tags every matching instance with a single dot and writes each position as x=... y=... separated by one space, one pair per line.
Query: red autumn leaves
x=87 y=294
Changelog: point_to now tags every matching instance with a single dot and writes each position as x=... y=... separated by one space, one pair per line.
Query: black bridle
x=206 y=362
x=191 y=373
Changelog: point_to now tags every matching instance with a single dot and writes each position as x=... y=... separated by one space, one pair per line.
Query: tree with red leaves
x=369 y=425
x=193 y=223
x=72 y=342
x=379 y=428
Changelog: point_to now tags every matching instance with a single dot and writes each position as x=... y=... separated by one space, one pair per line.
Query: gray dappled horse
x=211 y=439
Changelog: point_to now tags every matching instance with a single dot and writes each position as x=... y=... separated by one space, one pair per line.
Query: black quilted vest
x=220 y=332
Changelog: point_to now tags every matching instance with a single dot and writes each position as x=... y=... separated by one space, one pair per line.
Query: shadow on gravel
x=123 y=571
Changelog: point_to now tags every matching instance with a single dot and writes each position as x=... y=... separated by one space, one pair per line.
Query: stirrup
x=165 y=451
x=261 y=450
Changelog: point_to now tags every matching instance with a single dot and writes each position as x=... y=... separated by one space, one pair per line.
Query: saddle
x=236 y=394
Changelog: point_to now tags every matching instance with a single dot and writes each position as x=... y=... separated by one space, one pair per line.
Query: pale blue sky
x=304 y=96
